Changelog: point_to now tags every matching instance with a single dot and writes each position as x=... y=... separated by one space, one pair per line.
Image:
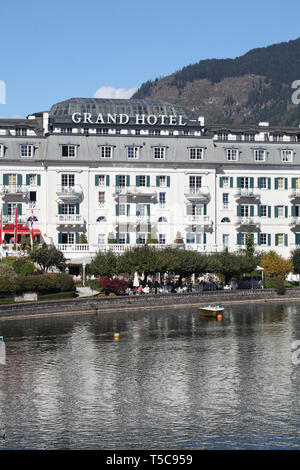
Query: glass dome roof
x=131 y=107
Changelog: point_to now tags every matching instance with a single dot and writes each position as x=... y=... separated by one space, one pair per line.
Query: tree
x=231 y=264
x=276 y=265
x=8 y=272
x=142 y=259
x=104 y=264
x=48 y=258
x=23 y=267
x=295 y=258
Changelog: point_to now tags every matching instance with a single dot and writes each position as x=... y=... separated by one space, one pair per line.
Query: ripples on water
x=174 y=380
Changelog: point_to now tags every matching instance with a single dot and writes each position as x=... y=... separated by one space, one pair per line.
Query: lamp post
x=83 y=273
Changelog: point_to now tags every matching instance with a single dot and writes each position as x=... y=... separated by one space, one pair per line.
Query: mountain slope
x=251 y=88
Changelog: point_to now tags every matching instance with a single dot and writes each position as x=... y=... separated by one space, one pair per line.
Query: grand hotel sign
x=150 y=119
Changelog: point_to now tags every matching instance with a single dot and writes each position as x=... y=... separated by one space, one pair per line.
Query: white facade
x=207 y=185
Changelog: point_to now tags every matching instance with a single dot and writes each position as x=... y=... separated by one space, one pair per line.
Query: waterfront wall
x=98 y=305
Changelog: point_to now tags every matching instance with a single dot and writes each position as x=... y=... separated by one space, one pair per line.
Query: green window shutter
x=259 y=182
x=107 y=180
x=285 y=239
x=127 y=238
x=269 y=183
x=269 y=239
x=168 y=181
x=251 y=211
x=19 y=180
x=157 y=181
x=189 y=209
x=148 y=209
x=269 y=211
x=239 y=211
x=96 y=180
x=239 y=238
x=204 y=209
x=38 y=179
x=293 y=211
x=276 y=211
x=251 y=182
x=77 y=238
x=238 y=181
x=285 y=183
x=127 y=180
x=258 y=210
x=293 y=183
x=5 y=179
x=77 y=208
x=137 y=239
x=59 y=208
x=117 y=209
x=137 y=180
x=297 y=238
x=137 y=210
x=204 y=238
x=27 y=179
x=276 y=183
x=231 y=181
x=148 y=181
x=117 y=180
x=221 y=182
x=59 y=237
x=19 y=209
x=5 y=208
x=117 y=238
x=128 y=209
x=286 y=210
x=276 y=239
x=258 y=239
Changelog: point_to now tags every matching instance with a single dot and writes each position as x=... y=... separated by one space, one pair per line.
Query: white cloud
x=110 y=92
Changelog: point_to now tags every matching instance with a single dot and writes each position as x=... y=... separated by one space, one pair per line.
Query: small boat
x=212 y=310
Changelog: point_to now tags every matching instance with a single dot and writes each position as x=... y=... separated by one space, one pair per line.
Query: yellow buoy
x=116 y=335
x=219 y=317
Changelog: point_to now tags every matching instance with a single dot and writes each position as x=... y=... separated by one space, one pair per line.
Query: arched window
x=225 y=220
x=162 y=219
x=101 y=219
x=35 y=219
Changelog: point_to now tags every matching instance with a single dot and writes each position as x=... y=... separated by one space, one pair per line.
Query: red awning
x=25 y=231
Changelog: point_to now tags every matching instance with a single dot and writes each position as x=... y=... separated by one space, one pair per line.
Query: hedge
x=46 y=283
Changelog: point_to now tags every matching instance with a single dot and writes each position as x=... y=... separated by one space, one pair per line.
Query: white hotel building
x=125 y=169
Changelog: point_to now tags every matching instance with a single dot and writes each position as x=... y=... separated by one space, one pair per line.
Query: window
x=162 y=199
x=245 y=182
x=69 y=151
x=156 y=132
x=225 y=220
x=67 y=209
x=245 y=212
x=162 y=219
x=195 y=182
x=232 y=155
x=26 y=150
x=225 y=239
x=122 y=238
x=280 y=183
x=68 y=180
x=141 y=238
x=11 y=208
x=297 y=183
x=68 y=238
x=259 y=155
x=101 y=199
x=102 y=218
x=102 y=131
x=162 y=181
x=122 y=180
x=196 y=153
x=280 y=211
x=21 y=132
x=1 y=150
x=159 y=152
x=162 y=239
x=101 y=238
x=225 y=180
x=250 y=136
x=225 y=201
x=32 y=199
x=263 y=239
x=142 y=180
x=287 y=156
x=137 y=132
x=133 y=153
x=190 y=237
x=277 y=137
x=122 y=209
x=106 y=151
x=280 y=239
x=101 y=180
x=263 y=183
x=222 y=135
x=263 y=211
x=66 y=130
x=32 y=180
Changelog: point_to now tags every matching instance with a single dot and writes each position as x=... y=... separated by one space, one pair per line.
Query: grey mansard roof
x=131 y=107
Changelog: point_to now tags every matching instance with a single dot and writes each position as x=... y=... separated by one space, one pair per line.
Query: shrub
x=7 y=272
x=23 y=267
x=278 y=284
x=115 y=285
x=46 y=283
x=7 y=286
x=66 y=282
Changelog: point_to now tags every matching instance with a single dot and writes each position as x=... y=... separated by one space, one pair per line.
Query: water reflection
x=174 y=380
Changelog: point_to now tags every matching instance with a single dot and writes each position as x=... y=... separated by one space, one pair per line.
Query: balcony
x=294 y=194
x=134 y=220
x=135 y=191
x=247 y=221
x=247 y=193
x=74 y=248
x=69 y=192
x=294 y=221
x=69 y=219
x=202 y=220
x=14 y=190
x=197 y=194
x=10 y=219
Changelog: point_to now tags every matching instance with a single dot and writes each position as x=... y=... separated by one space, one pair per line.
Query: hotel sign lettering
x=150 y=119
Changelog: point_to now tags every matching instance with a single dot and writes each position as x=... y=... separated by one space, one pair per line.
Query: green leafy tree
x=295 y=258
x=104 y=264
x=48 y=258
x=23 y=267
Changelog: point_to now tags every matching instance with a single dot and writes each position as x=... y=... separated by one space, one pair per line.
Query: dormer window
x=232 y=155
x=287 y=156
x=26 y=150
x=21 y=132
x=260 y=155
x=69 y=151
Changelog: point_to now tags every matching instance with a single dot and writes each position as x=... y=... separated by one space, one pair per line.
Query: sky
x=52 y=51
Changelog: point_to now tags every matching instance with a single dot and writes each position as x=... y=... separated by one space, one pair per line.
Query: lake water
x=174 y=380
